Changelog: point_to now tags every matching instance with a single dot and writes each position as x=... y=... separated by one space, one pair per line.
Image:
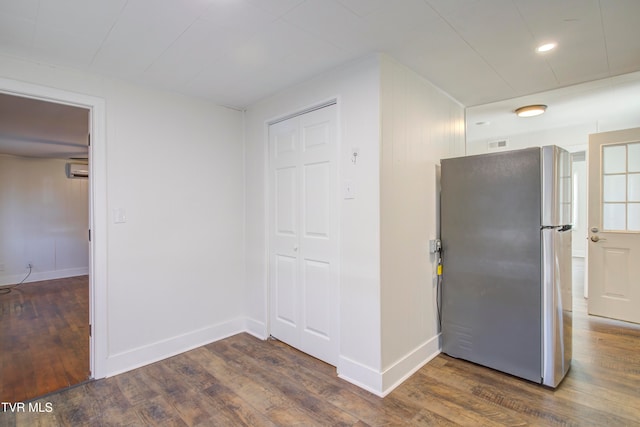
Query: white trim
x=97 y=207
x=397 y=373
x=363 y=376
x=256 y=328
x=383 y=383
x=44 y=275
x=150 y=353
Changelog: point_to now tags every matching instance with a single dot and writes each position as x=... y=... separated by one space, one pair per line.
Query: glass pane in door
x=614 y=216
x=614 y=159
x=614 y=188
x=633 y=192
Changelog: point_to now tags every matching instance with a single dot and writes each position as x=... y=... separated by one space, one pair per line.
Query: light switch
x=348 y=190
x=119 y=216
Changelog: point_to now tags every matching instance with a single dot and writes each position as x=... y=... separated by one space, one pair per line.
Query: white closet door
x=303 y=251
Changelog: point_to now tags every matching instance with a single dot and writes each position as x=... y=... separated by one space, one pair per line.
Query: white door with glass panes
x=303 y=235
x=614 y=225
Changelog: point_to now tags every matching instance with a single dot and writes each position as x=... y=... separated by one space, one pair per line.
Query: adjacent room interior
x=44 y=221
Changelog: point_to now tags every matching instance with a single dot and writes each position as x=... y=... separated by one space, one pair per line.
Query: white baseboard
x=361 y=375
x=37 y=276
x=383 y=383
x=397 y=373
x=257 y=329
x=141 y=356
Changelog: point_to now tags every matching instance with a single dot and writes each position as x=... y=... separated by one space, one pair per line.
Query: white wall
x=175 y=270
x=44 y=218
x=420 y=126
x=357 y=88
x=402 y=125
x=572 y=138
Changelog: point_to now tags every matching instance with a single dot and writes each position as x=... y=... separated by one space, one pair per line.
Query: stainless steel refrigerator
x=506 y=251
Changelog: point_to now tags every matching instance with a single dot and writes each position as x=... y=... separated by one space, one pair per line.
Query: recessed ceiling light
x=531 y=110
x=546 y=47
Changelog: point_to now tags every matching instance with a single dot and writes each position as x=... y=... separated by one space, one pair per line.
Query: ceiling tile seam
x=453 y=28
x=106 y=37
x=535 y=39
x=604 y=38
x=175 y=40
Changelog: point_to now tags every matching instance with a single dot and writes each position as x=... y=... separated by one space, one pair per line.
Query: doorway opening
x=59 y=260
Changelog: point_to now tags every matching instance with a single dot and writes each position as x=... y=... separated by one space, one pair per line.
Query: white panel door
x=303 y=250
x=614 y=225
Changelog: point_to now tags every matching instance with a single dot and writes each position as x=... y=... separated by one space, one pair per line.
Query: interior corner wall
x=420 y=126
x=174 y=165
x=356 y=88
x=44 y=218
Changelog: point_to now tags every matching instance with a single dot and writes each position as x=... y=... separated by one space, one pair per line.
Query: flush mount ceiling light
x=531 y=110
x=546 y=47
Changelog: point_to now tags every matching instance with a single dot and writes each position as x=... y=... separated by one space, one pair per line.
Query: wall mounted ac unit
x=77 y=170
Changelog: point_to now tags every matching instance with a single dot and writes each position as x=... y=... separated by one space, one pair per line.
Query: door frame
x=597 y=141
x=334 y=100
x=97 y=207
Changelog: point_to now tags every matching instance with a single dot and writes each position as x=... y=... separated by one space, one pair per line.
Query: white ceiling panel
x=25 y=9
x=201 y=44
x=330 y=21
x=620 y=22
x=478 y=51
x=16 y=33
x=144 y=30
x=82 y=18
x=276 y=7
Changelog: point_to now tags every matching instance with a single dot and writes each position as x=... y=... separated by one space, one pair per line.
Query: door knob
x=594 y=229
x=596 y=239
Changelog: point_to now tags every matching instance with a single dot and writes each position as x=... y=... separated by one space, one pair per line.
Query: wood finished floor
x=245 y=381
x=44 y=338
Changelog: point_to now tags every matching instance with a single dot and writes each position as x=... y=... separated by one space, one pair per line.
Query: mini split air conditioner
x=77 y=170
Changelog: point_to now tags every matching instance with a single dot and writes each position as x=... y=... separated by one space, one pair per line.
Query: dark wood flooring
x=44 y=337
x=245 y=381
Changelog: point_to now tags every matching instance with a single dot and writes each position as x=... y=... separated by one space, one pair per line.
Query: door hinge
x=89 y=234
x=90 y=330
x=89 y=140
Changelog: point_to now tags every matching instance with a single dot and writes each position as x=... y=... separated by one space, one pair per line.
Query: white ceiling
x=236 y=52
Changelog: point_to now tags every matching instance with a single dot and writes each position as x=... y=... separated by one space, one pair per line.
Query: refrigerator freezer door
x=490 y=228
x=556 y=305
